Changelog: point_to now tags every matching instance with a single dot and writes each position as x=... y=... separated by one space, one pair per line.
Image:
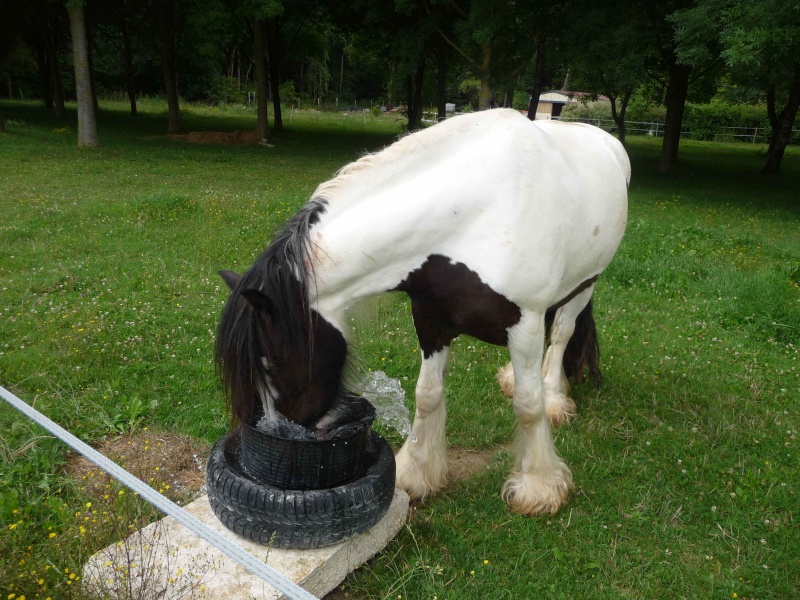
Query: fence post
x=755 y=134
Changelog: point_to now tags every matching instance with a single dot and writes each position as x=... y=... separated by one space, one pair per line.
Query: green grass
x=685 y=459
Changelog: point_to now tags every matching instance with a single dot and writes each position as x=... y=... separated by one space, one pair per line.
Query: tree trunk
x=171 y=87
x=772 y=114
x=341 y=73
x=441 y=79
x=783 y=132
x=90 y=58
x=485 y=94
x=619 y=117
x=2 y=121
x=44 y=73
x=55 y=75
x=274 y=50
x=260 y=59
x=410 y=108
x=419 y=80
x=130 y=81
x=538 y=75
x=169 y=62
x=677 y=88
x=87 y=126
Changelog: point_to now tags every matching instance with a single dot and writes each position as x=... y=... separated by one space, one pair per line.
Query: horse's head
x=273 y=349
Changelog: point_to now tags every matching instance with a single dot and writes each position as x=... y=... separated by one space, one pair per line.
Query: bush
x=288 y=93
x=642 y=110
x=600 y=109
x=709 y=121
x=521 y=100
x=226 y=90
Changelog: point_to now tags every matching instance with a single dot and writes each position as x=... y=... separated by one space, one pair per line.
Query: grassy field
x=685 y=460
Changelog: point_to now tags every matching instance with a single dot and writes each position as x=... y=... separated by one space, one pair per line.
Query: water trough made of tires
x=284 y=486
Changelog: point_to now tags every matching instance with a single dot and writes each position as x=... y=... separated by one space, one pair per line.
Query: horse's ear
x=230 y=277
x=257 y=300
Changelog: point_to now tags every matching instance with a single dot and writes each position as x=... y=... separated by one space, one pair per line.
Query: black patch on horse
x=448 y=299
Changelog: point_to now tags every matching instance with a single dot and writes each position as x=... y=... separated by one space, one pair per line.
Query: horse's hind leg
x=560 y=407
x=559 y=410
x=540 y=480
x=422 y=463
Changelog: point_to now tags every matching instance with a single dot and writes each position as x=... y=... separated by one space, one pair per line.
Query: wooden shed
x=552 y=102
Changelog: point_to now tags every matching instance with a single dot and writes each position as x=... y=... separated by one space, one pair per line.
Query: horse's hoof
x=415 y=486
x=531 y=495
x=420 y=480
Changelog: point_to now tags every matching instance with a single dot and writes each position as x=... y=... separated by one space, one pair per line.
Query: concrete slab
x=166 y=560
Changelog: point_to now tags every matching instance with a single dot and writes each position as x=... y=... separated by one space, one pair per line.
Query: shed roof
x=565 y=96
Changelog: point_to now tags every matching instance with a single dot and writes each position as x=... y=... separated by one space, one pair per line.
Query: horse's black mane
x=281 y=274
x=282 y=270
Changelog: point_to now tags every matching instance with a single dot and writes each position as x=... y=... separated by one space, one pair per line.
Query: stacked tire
x=298 y=518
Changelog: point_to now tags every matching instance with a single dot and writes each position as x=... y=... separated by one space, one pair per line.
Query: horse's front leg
x=422 y=461
x=540 y=480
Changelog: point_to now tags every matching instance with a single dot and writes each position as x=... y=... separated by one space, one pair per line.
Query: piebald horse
x=495 y=227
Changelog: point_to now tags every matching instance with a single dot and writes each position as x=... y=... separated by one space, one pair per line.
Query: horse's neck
x=350 y=267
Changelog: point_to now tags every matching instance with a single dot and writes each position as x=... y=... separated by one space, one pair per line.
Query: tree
x=44 y=28
x=610 y=63
x=283 y=28
x=491 y=36
x=122 y=16
x=8 y=43
x=262 y=81
x=440 y=52
x=539 y=71
x=257 y=12
x=127 y=61
x=87 y=127
x=665 y=62
x=409 y=47
x=169 y=20
x=760 y=43
x=402 y=36
x=545 y=32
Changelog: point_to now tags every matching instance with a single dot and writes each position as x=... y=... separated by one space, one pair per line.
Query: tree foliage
x=759 y=41
x=417 y=53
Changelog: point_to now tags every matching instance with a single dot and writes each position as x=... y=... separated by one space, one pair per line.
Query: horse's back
x=534 y=208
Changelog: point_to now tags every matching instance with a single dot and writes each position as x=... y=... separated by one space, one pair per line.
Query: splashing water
x=388 y=396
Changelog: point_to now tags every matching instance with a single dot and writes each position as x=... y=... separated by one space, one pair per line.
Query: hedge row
x=708 y=122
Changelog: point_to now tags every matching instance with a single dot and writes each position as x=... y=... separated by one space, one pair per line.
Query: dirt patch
x=467 y=462
x=235 y=138
x=172 y=463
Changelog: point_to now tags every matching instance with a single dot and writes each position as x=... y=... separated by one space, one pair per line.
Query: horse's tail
x=583 y=349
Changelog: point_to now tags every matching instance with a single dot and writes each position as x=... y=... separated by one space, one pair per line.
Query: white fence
x=751 y=135
x=718 y=134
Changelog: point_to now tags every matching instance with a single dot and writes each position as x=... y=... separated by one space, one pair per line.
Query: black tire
x=298 y=518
